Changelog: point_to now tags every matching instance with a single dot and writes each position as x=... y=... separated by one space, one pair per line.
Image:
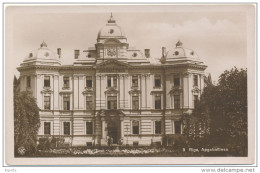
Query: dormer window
x=89 y=81
x=28 y=81
x=134 y=81
x=66 y=82
x=157 y=81
x=176 y=80
x=47 y=81
x=195 y=80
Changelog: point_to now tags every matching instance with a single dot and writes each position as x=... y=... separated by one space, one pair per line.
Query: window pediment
x=111 y=90
x=134 y=91
x=195 y=90
x=176 y=90
x=46 y=91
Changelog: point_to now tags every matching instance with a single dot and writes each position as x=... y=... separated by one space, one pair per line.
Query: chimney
x=163 y=51
x=147 y=53
x=76 y=54
x=59 y=51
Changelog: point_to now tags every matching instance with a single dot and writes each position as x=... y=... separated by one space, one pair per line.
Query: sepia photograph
x=94 y=84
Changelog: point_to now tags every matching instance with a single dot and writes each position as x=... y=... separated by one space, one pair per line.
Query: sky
x=219 y=34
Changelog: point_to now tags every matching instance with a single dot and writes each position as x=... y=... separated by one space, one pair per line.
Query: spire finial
x=179 y=43
x=111 y=20
x=43 y=44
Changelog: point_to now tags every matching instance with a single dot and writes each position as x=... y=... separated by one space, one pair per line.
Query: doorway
x=114 y=130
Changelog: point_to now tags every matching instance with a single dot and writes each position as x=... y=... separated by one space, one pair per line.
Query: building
x=113 y=90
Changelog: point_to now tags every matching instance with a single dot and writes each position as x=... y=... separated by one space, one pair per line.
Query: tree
x=26 y=120
x=222 y=111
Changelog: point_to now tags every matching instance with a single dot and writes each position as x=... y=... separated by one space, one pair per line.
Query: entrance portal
x=114 y=130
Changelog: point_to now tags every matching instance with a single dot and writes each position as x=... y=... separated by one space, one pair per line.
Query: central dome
x=111 y=30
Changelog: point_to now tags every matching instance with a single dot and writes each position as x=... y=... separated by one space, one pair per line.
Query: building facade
x=113 y=90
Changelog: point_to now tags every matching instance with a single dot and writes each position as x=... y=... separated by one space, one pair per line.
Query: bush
x=177 y=141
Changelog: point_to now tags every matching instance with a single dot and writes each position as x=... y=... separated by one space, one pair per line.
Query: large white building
x=113 y=90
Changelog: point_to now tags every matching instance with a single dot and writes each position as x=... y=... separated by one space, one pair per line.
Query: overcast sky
x=217 y=33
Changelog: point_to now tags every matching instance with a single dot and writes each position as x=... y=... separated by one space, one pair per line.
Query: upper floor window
x=158 y=127
x=135 y=102
x=177 y=127
x=134 y=81
x=47 y=128
x=89 y=81
x=157 y=102
x=28 y=81
x=176 y=101
x=89 y=102
x=47 y=102
x=66 y=103
x=195 y=80
x=135 y=127
x=112 y=102
x=157 y=81
x=66 y=128
x=109 y=83
x=47 y=81
x=66 y=82
x=89 y=128
x=176 y=80
x=195 y=100
x=115 y=81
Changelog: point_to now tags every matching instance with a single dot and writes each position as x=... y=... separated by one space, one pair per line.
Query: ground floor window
x=177 y=127
x=47 y=128
x=89 y=128
x=66 y=128
x=158 y=127
x=135 y=126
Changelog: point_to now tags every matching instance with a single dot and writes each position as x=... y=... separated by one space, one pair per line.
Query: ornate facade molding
x=176 y=90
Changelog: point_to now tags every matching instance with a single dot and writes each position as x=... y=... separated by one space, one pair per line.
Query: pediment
x=113 y=64
x=135 y=91
x=111 y=90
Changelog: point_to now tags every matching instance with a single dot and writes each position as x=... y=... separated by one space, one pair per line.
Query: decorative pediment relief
x=156 y=92
x=46 y=91
x=111 y=90
x=176 y=90
x=134 y=91
x=195 y=90
x=112 y=64
x=65 y=92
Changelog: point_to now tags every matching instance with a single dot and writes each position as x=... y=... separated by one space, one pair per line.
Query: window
x=135 y=126
x=135 y=102
x=195 y=80
x=89 y=128
x=176 y=80
x=109 y=78
x=47 y=128
x=176 y=101
x=157 y=81
x=112 y=102
x=134 y=81
x=115 y=81
x=28 y=81
x=47 y=81
x=195 y=101
x=66 y=128
x=89 y=102
x=158 y=127
x=157 y=102
x=66 y=82
x=47 y=102
x=177 y=127
x=89 y=81
x=66 y=103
